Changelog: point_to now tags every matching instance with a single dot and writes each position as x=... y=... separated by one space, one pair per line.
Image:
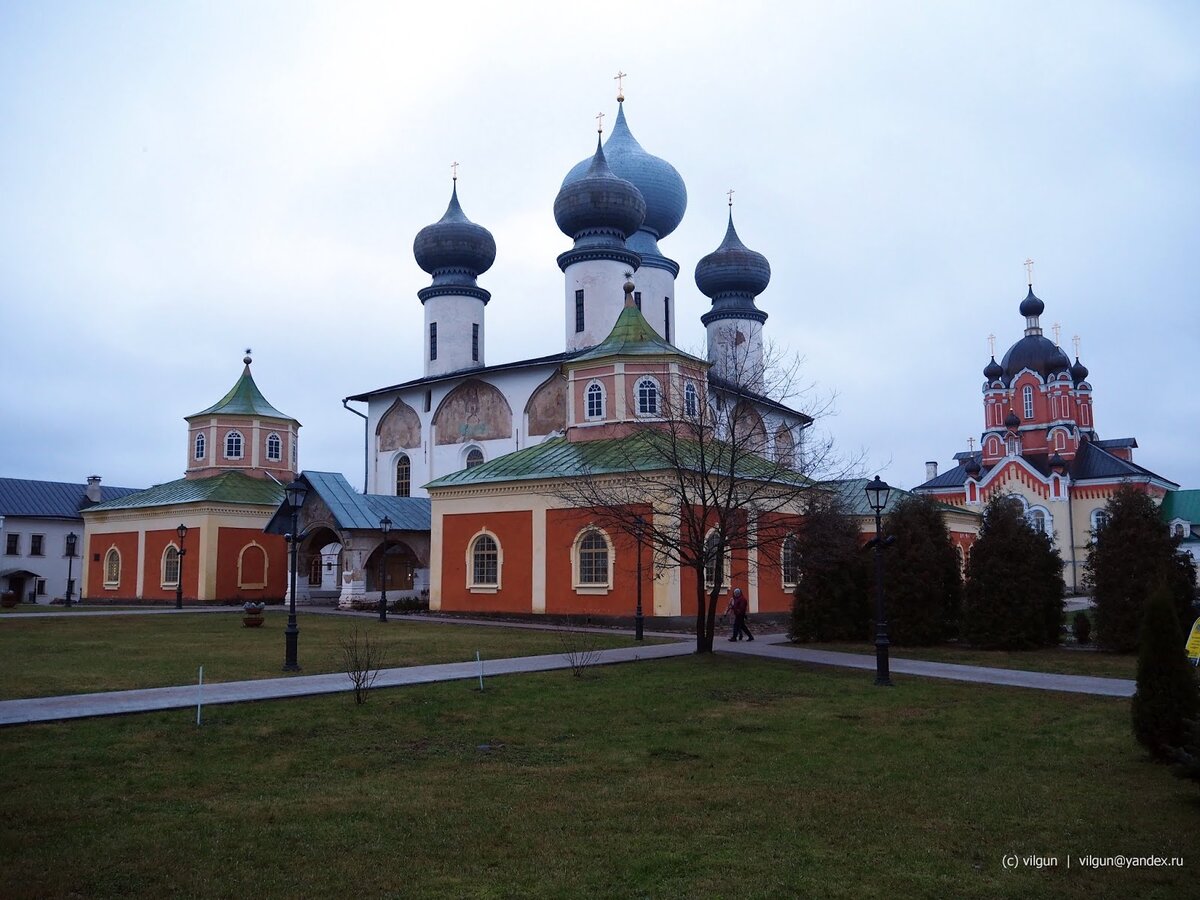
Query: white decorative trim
x=591 y=587
x=484 y=588
x=254 y=586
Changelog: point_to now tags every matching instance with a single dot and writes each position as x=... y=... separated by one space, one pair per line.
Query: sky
x=181 y=181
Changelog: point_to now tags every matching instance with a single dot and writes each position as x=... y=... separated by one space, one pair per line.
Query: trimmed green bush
x=1166 y=687
x=922 y=582
x=830 y=603
x=1081 y=627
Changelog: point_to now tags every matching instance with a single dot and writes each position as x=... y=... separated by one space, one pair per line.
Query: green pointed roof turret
x=632 y=335
x=244 y=399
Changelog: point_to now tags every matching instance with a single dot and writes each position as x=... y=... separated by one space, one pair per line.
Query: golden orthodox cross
x=992 y=344
x=454 y=171
x=971 y=443
x=1029 y=270
x=599 y=123
x=1056 y=328
x=729 y=194
x=1075 y=341
x=619 y=79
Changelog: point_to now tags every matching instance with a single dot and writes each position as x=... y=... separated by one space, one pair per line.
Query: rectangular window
x=12 y=545
x=578 y=311
x=37 y=544
x=667 y=319
x=475 y=343
x=432 y=341
x=637 y=299
x=428 y=400
x=41 y=587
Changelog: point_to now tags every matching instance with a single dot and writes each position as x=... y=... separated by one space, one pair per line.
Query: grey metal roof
x=552 y=359
x=51 y=499
x=354 y=511
x=1116 y=443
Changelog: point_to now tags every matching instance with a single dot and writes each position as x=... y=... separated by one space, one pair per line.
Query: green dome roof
x=244 y=399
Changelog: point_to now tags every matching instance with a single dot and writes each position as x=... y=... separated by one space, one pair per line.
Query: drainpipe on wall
x=1071 y=531
x=366 y=440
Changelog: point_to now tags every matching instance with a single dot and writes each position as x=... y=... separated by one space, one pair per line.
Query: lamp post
x=296 y=492
x=638 y=620
x=71 y=539
x=877 y=498
x=182 y=531
x=385 y=525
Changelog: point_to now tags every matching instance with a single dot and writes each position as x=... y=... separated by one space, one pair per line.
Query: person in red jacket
x=741 y=608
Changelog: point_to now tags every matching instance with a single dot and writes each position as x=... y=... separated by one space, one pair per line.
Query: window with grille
x=593 y=558
x=637 y=299
x=714 y=565
x=37 y=545
x=485 y=561
x=274 y=448
x=578 y=311
x=233 y=445
x=170 y=565
x=647 y=397
x=403 y=476
x=432 y=341
x=595 y=401
x=475 y=342
x=667 y=319
x=1027 y=394
x=112 y=568
x=12 y=545
x=691 y=404
x=790 y=560
x=474 y=457
x=200 y=442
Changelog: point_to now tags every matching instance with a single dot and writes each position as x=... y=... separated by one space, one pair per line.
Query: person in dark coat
x=741 y=608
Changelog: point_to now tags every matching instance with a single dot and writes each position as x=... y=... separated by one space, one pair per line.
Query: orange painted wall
x=514 y=532
x=562 y=529
x=230 y=542
x=156 y=543
x=126 y=543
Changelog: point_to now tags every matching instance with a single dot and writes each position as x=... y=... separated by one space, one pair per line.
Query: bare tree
x=362 y=657
x=580 y=643
x=723 y=468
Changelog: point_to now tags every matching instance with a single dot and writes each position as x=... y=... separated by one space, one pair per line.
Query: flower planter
x=8 y=599
x=252 y=621
x=252 y=615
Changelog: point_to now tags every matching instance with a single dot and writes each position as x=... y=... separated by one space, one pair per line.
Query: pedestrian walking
x=741 y=609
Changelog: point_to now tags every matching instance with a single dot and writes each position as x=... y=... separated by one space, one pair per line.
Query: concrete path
x=75 y=612
x=770 y=646
x=77 y=706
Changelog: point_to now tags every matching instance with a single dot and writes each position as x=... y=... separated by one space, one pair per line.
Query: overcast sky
x=180 y=181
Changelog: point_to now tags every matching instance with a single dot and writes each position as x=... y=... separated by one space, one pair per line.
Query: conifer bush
x=1014 y=592
x=922 y=581
x=1081 y=627
x=1131 y=553
x=832 y=592
x=1166 y=687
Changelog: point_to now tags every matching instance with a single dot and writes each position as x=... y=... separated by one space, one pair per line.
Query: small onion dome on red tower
x=993 y=370
x=1078 y=371
x=600 y=209
x=1058 y=464
x=454 y=245
x=1012 y=420
x=972 y=466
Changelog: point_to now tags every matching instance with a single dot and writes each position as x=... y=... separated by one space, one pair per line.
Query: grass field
x=1050 y=659
x=48 y=656
x=690 y=777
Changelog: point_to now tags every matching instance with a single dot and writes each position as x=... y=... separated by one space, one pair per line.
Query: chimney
x=93 y=488
x=930 y=470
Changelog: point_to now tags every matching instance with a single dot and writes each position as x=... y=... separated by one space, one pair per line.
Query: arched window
x=592 y=558
x=715 y=566
x=314 y=571
x=252 y=567
x=1027 y=395
x=484 y=562
x=233 y=445
x=595 y=401
x=200 y=445
x=691 y=401
x=474 y=457
x=112 y=568
x=789 y=561
x=170 y=566
x=1012 y=446
x=647 y=397
x=1060 y=440
x=403 y=476
x=993 y=446
x=1038 y=520
x=274 y=447
x=962 y=562
x=1099 y=520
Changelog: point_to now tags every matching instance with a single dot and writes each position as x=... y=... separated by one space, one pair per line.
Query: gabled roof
x=244 y=399
x=632 y=335
x=560 y=458
x=1181 y=505
x=228 y=487
x=50 y=499
x=1116 y=443
x=854 y=496
x=354 y=511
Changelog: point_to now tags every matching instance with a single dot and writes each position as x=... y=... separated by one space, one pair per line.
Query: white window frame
x=791 y=544
x=726 y=567
x=230 y=437
x=403 y=458
x=111 y=584
x=1027 y=400
x=277 y=456
x=164 y=577
x=594 y=389
x=479 y=587
x=200 y=446
x=473 y=448
x=657 y=395
x=591 y=587
x=37 y=545
x=1098 y=514
x=691 y=400
x=1047 y=520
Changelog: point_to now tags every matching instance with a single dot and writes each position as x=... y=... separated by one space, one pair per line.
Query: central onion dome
x=599 y=209
x=454 y=249
x=1034 y=351
x=1032 y=304
x=660 y=184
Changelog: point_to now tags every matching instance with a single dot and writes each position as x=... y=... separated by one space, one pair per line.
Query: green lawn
x=1050 y=659
x=71 y=655
x=690 y=777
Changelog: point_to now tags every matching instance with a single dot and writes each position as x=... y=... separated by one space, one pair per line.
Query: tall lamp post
x=182 y=531
x=71 y=540
x=877 y=498
x=296 y=492
x=385 y=525
x=638 y=619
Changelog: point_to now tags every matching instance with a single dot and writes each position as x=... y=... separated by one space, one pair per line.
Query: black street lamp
x=877 y=498
x=638 y=620
x=71 y=539
x=182 y=531
x=385 y=525
x=296 y=492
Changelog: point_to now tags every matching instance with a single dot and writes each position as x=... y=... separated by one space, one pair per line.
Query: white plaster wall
x=602 y=282
x=732 y=361
x=654 y=285
x=454 y=317
x=52 y=565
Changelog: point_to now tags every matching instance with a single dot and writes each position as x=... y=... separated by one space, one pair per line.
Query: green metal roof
x=560 y=458
x=854 y=496
x=228 y=487
x=632 y=335
x=1181 y=505
x=244 y=399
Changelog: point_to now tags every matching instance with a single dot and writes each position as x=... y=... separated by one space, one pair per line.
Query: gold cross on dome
x=992 y=344
x=971 y=443
x=619 y=78
x=729 y=194
x=1056 y=328
x=1075 y=341
x=454 y=171
x=1029 y=270
x=599 y=123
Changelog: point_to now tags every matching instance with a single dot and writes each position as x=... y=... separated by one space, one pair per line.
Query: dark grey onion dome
x=1036 y=353
x=661 y=185
x=732 y=276
x=1079 y=371
x=1032 y=305
x=992 y=370
x=1011 y=420
x=973 y=466
x=1057 y=462
x=599 y=209
x=455 y=244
